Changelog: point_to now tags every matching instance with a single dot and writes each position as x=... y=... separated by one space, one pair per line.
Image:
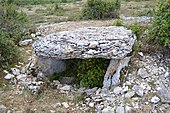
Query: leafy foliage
x=87 y=72
x=137 y=28
x=8 y=51
x=100 y=9
x=35 y=2
x=11 y=31
x=91 y=72
x=161 y=23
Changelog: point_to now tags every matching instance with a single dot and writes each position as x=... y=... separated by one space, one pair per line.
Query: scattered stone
x=9 y=76
x=52 y=111
x=3 y=108
x=142 y=19
x=65 y=105
x=108 y=109
x=15 y=71
x=141 y=54
x=56 y=82
x=25 y=42
x=120 y=109
x=143 y=73
x=138 y=90
x=57 y=105
x=155 y=99
x=66 y=88
x=129 y=94
x=117 y=90
x=128 y=109
x=5 y=71
x=164 y=94
x=91 y=91
x=91 y=104
x=21 y=76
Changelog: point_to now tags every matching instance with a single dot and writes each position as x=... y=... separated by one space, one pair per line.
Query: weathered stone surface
x=112 y=76
x=164 y=94
x=94 y=42
x=25 y=42
x=50 y=66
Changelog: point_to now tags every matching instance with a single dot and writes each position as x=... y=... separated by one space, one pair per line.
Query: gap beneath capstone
x=55 y=69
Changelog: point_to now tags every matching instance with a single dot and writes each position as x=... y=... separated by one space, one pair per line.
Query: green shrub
x=11 y=31
x=100 y=9
x=137 y=28
x=12 y=21
x=118 y=22
x=161 y=23
x=90 y=72
x=9 y=52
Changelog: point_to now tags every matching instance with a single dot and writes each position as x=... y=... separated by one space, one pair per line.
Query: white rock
x=91 y=104
x=66 y=88
x=128 y=109
x=65 y=105
x=52 y=111
x=15 y=71
x=167 y=74
x=21 y=76
x=9 y=76
x=108 y=109
x=2 y=108
x=141 y=54
x=138 y=90
x=25 y=42
x=155 y=99
x=143 y=73
x=120 y=109
x=129 y=94
x=117 y=90
x=5 y=71
x=125 y=89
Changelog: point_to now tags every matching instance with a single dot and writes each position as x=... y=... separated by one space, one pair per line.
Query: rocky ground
x=144 y=87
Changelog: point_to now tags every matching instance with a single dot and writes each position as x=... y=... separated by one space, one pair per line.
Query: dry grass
x=26 y=102
x=133 y=8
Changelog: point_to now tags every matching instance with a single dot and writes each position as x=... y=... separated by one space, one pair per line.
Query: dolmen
x=111 y=42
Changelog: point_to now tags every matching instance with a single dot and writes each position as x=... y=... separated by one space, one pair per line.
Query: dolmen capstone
x=112 y=42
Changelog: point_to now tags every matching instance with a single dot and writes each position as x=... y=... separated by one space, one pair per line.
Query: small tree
x=100 y=9
x=161 y=23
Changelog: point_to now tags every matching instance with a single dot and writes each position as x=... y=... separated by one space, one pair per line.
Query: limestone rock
x=120 y=109
x=9 y=76
x=15 y=71
x=25 y=42
x=164 y=94
x=65 y=105
x=66 y=88
x=117 y=90
x=155 y=99
x=94 y=42
x=138 y=90
x=143 y=73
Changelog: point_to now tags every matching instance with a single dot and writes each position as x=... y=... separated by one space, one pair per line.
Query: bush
x=8 y=51
x=90 y=72
x=100 y=9
x=137 y=28
x=161 y=24
x=11 y=31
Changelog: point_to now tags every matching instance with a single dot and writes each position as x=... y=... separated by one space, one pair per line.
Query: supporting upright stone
x=50 y=66
x=112 y=76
